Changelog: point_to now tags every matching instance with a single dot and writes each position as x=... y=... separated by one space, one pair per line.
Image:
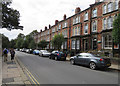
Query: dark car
x=57 y=55
x=91 y=60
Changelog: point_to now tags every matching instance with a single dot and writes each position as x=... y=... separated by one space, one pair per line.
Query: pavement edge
x=25 y=80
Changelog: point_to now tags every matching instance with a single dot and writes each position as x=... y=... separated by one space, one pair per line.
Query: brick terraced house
x=87 y=30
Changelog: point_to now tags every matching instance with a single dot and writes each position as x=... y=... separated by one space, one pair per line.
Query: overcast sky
x=36 y=14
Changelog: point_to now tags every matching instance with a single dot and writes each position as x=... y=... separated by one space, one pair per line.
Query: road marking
x=29 y=74
x=32 y=76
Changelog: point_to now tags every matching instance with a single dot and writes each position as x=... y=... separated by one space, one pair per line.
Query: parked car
x=57 y=55
x=44 y=53
x=27 y=50
x=36 y=52
x=91 y=60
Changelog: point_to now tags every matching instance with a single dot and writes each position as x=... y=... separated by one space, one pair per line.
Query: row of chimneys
x=77 y=10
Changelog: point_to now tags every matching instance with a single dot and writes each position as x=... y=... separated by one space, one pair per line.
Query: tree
x=116 y=31
x=10 y=17
x=32 y=45
x=19 y=43
x=13 y=43
x=57 y=41
x=5 y=41
x=42 y=44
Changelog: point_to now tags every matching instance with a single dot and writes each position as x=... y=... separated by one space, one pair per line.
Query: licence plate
x=108 y=64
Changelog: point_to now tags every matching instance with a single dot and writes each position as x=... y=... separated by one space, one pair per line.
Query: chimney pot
x=64 y=17
x=49 y=26
x=56 y=21
x=77 y=10
x=41 y=30
x=45 y=27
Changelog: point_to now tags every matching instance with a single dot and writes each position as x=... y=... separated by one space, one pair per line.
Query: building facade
x=87 y=30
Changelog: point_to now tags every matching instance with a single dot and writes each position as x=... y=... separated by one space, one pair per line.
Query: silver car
x=91 y=60
x=44 y=53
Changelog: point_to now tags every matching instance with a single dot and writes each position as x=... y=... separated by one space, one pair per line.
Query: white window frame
x=108 y=46
x=78 y=44
x=104 y=24
x=94 y=26
x=86 y=28
x=116 y=4
x=86 y=16
x=94 y=13
x=110 y=7
x=110 y=22
x=104 y=9
x=73 y=44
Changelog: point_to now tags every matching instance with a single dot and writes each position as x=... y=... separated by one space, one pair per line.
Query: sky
x=36 y=14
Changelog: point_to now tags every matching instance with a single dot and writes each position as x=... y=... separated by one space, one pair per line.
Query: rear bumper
x=103 y=65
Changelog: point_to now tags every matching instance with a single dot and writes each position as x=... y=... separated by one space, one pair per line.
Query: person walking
x=12 y=52
x=5 y=52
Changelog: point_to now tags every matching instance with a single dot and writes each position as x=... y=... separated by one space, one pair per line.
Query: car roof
x=85 y=54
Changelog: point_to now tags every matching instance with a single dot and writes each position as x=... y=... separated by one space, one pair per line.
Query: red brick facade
x=87 y=30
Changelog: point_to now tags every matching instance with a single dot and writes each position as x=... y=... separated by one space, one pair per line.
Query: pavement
x=12 y=73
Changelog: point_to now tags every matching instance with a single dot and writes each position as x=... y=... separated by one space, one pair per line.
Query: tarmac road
x=48 y=71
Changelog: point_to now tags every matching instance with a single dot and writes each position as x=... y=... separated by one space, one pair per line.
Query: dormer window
x=86 y=16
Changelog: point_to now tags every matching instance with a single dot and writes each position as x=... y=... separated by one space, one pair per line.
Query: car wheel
x=56 y=58
x=92 y=65
x=72 y=61
x=42 y=55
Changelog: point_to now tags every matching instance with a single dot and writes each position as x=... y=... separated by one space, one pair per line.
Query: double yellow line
x=29 y=74
x=32 y=77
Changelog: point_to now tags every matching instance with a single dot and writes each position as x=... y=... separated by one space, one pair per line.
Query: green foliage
x=5 y=41
x=42 y=44
x=32 y=45
x=19 y=43
x=57 y=41
x=10 y=17
x=116 y=30
x=13 y=43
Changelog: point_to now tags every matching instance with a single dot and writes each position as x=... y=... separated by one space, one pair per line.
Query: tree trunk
x=119 y=50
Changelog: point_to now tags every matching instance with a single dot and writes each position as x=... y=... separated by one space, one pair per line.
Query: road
x=48 y=71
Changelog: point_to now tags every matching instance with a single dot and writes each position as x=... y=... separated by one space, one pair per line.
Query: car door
x=79 y=59
x=86 y=59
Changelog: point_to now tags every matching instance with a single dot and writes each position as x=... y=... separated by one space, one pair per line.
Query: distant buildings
x=86 y=30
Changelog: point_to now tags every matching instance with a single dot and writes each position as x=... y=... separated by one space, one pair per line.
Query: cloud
x=36 y=14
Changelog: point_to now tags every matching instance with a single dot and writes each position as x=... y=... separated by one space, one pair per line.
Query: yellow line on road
x=32 y=76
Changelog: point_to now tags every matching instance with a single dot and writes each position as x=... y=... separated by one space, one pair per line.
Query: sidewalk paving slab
x=13 y=74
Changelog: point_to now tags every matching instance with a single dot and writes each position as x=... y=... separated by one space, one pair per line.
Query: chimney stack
x=41 y=30
x=45 y=27
x=49 y=26
x=77 y=10
x=64 y=17
x=56 y=21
